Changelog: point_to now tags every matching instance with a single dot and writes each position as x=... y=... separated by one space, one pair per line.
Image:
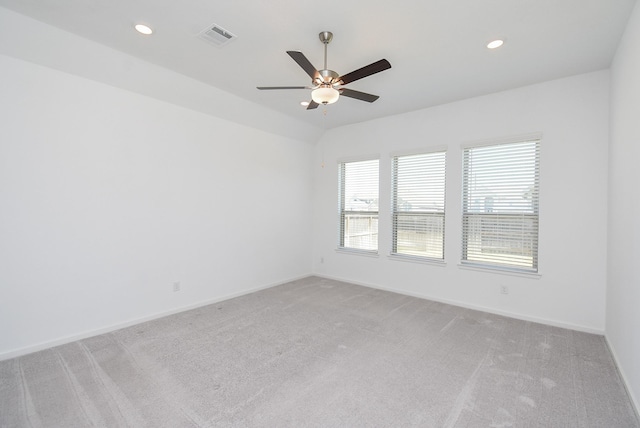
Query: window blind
x=359 y=205
x=500 y=199
x=418 y=205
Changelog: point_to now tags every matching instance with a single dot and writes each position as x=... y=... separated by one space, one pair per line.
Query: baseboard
x=90 y=333
x=72 y=338
x=625 y=381
x=466 y=305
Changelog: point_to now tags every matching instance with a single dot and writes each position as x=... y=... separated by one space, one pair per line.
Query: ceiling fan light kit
x=327 y=85
x=325 y=95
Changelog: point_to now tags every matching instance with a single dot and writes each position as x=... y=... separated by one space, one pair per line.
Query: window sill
x=417 y=259
x=356 y=252
x=500 y=271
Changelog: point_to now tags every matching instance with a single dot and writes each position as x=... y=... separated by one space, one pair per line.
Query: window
x=418 y=205
x=500 y=205
x=359 y=205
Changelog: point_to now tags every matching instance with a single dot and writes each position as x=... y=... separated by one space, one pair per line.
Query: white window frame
x=502 y=235
x=423 y=174
x=363 y=208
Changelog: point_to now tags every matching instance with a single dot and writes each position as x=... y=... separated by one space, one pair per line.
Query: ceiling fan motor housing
x=327 y=77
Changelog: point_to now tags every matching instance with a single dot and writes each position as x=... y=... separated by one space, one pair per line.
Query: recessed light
x=495 y=44
x=143 y=29
x=304 y=103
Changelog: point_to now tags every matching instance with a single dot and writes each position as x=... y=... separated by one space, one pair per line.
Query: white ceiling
x=436 y=47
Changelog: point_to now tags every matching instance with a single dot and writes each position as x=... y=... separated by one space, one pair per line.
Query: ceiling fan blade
x=304 y=63
x=312 y=105
x=262 y=88
x=365 y=71
x=363 y=96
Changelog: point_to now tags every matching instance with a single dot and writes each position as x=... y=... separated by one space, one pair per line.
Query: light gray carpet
x=321 y=353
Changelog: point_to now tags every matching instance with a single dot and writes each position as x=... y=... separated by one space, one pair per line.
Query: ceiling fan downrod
x=325 y=38
x=327 y=77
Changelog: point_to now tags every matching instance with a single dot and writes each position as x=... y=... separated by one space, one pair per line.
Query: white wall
x=623 y=291
x=107 y=197
x=573 y=116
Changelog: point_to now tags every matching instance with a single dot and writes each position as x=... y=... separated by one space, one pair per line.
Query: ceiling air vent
x=217 y=35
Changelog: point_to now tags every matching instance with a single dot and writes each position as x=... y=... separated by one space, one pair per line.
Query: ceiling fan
x=327 y=85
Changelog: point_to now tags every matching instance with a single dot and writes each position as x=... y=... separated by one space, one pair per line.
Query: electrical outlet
x=176 y=286
x=321 y=259
x=504 y=289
